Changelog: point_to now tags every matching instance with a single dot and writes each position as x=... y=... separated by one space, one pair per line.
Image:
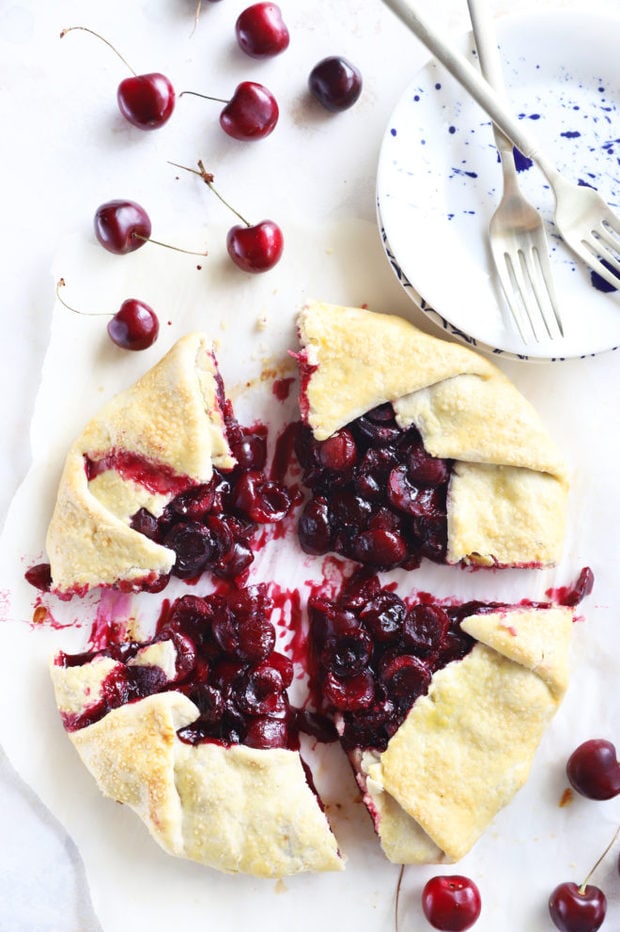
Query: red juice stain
x=111 y=621
x=156 y=477
x=571 y=596
x=282 y=387
x=287 y=605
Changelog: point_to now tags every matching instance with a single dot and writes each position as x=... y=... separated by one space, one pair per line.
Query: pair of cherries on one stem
x=148 y=101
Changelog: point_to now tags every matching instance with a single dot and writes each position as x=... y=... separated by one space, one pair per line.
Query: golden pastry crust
x=171 y=417
x=507 y=496
x=236 y=809
x=467 y=746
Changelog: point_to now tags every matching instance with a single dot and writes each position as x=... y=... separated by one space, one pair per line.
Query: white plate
x=439 y=179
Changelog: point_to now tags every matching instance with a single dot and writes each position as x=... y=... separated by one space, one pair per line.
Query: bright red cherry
x=122 y=226
x=593 y=769
x=251 y=113
x=255 y=248
x=451 y=902
x=335 y=83
x=134 y=326
x=261 y=31
x=577 y=909
x=145 y=100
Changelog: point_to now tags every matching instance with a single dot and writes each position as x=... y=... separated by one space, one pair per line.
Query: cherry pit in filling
x=377 y=496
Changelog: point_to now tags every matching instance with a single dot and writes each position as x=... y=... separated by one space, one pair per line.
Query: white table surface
x=64 y=150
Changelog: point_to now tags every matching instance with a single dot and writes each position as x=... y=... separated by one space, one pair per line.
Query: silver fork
x=585 y=222
x=516 y=230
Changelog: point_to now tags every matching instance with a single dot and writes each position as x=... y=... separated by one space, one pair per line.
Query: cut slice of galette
x=193 y=730
x=415 y=447
x=162 y=480
x=439 y=707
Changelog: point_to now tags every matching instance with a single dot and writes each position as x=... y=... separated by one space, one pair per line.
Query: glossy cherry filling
x=377 y=496
x=372 y=654
x=225 y=662
x=211 y=526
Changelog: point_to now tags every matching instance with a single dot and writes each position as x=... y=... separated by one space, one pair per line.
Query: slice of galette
x=193 y=730
x=440 y=708
x=162 y=480
x=416 y=447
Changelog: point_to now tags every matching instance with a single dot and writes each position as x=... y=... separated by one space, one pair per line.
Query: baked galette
x=439 y=707
x=162 y=480
x=416 y=447
x=193 y=730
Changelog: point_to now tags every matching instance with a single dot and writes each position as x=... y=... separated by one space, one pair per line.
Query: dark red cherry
x=40 y=576
x=314 y=527
x=261 y=500
x=255 y=248
x=146 y=100
x=135 y=326
x=384 y=616
x=405 y=677
x=193 y=545
x=251 y=113
x=122 y=226
x=379 y=547
x=261 y=31
x=577 y=909
x=593 y=769
x=425 y=629
x=451 y=902
x=265 y=732
x=352 y=692
x=335 y=83
x=338 y=452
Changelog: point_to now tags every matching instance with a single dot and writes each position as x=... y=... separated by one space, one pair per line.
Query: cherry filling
x=225 y=663
x=372 y=655
x=377 y=496
x=210 y=526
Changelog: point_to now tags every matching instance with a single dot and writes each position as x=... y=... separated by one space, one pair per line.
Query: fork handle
x=490 y=61
x=471 y=79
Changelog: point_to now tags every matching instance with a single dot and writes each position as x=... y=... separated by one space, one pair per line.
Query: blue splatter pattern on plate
x=439 y=181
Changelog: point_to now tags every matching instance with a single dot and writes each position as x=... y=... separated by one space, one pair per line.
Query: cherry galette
x=193 y=730
x=440 y=707
x=163 y=480
x=415 y=447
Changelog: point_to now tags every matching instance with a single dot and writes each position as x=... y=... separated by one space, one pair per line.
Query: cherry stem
x=109 y=44
x=197 y=15
x=207 y=177
x=156 y=242
x=61 y=284
x=397 y=898
x=583 y=886
x=220 y=100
